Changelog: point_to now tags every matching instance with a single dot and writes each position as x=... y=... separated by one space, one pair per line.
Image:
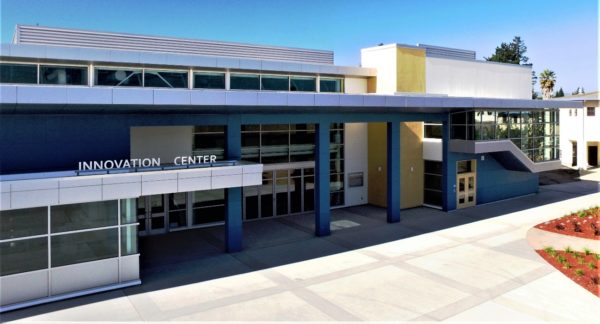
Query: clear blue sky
x=560 y=35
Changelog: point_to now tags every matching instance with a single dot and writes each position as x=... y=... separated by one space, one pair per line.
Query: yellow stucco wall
x=400 y=69
x=411 y=164
x=410 y=70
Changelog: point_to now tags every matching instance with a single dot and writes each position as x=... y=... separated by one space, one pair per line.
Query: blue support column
x=233 y=196
x=393 y=172
x=322 y=203
x=449 y=192
x=445 y=138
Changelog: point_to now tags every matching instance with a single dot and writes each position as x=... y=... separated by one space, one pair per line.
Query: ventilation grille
x=446 y=52
x=92 y=39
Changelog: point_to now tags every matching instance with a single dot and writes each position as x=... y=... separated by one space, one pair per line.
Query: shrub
x=592 y=265
x=569 y=250
x=587 y=251
x=579 y=272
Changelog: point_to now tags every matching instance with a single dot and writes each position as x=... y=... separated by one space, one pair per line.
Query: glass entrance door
x=466 y=185
x=283 y=192
x=151 y=215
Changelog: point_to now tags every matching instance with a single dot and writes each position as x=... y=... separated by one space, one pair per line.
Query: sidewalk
x=469 y=265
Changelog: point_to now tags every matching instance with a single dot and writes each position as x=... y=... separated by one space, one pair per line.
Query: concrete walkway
x=540 y=239
x=469 y=265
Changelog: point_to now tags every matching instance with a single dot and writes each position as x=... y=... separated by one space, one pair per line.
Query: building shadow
x=197 y=255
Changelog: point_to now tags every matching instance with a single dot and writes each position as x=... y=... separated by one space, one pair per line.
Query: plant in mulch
x=583 y=223
x=581 y=267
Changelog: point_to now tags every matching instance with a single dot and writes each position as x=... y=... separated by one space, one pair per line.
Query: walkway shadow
x=192 y=256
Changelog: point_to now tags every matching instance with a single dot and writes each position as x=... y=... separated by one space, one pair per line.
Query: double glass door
x=466 y=184
x=151 y=215
x=283 y=192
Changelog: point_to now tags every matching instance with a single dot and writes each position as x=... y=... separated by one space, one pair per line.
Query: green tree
x=559 y=93
x=547 y=82
x=513 y=52
x=534 y=95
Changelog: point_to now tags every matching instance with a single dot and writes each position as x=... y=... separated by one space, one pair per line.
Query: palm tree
x=547 y=81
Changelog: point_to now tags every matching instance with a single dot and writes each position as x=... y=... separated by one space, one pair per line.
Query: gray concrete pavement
x=471 y=264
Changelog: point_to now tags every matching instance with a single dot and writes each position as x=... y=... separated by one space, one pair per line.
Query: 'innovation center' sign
x=145 y=162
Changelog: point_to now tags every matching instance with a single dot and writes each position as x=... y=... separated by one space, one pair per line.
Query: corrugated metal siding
x=80 y=38
x=446 y=52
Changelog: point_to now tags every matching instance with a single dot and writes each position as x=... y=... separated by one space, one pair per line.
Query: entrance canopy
x=59 y=188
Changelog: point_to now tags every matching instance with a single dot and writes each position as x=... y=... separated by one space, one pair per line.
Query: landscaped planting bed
x=581 y=267
x=584 y=223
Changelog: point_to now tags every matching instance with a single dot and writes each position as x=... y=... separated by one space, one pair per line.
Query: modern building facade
x=107 y=137
x=580 y=134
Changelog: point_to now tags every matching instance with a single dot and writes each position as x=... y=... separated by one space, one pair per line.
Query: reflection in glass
x=23 y=222
x=23 y=255
x=50 y=74
x=330 y=85
x=308 y=84
x=118 y=77
x=84 y=247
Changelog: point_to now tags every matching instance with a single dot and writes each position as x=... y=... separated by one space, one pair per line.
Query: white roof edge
x=113 y=56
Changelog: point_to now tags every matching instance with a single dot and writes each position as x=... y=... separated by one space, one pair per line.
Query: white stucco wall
x=383 y=58
x=432 y=149
x=355 y=85
x=576 y=126
x=164 y=142
x=463 y=78
x=356 y=160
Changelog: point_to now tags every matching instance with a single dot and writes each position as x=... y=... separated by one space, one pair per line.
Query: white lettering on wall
x=145 y=162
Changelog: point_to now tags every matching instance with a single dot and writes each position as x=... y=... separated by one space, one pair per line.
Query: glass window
x=208 y=80
x=303 y=84
x=23 y=222
x=244 y=82
x=128 y=211
x=463 y=166
x=23 y=255
x=591 y=111
x=118 y=77
x=209 y=198
x=433 y=131
x=274 y=82
x=50 y=74
x=330 y=85
x=129 y=240
x=18 y=73
x=165 y=79
x=177 y=210
x=82 y=216
x=84 y=247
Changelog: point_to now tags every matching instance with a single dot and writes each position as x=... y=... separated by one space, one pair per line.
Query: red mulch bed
x=578 y=266
x=585 y=223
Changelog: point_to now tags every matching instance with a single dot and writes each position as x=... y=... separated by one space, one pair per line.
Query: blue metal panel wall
x=393 y=172
x=494 y=182
x=322 y=198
